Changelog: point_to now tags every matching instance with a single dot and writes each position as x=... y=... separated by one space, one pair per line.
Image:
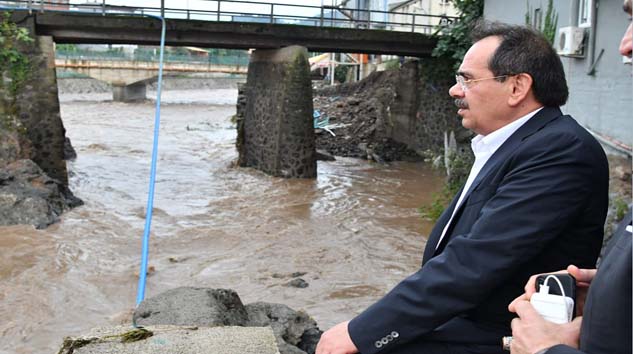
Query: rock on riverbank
x=296 y=332
x=29 y=196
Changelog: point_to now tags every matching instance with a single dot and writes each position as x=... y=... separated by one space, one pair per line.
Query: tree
x=454 y=41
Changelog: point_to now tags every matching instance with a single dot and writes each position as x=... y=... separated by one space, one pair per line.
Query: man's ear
x=521 y=86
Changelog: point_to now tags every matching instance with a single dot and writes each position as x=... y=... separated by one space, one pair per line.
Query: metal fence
x=259 y=12
x=150 y=56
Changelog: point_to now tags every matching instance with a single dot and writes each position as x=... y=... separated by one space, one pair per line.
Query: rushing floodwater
x=354 y=229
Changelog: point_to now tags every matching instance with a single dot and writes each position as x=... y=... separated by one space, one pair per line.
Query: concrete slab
x=175 y=340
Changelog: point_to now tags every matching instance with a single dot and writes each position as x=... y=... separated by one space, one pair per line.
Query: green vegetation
x=454 y=41
x=137 y=334
x=66 y=47
x=547 y=27
x=13 y=63
x=459 y=164
x=340 y=73
x=15 y=69
x=620 y=206
x=392 y=64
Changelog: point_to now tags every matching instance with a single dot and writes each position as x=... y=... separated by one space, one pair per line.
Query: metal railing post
x=103 y=8
x=321 y=23
x=162 y=8
x=272 y=13
x=413 y=24
x=30 y=7
x=218 y=10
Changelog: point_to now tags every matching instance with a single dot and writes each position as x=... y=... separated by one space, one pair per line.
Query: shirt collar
x=491 y=142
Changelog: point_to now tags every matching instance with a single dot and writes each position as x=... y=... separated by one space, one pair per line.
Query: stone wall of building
x=277 y=134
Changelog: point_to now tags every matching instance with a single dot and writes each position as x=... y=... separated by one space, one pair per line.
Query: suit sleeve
x=563 y=349
x=548 y=180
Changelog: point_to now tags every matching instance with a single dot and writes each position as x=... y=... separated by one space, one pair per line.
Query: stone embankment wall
x=276 y=134
x=392 y=109
x=31 y=129
x=38 y=111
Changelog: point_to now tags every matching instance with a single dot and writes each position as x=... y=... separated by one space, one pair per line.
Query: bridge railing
x=261 y=12
x=149 y=56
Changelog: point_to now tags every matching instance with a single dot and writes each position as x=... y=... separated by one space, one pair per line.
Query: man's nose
x=456 y=91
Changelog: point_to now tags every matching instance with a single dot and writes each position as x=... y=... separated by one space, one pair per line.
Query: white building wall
x=423 y=24
x=602 y=101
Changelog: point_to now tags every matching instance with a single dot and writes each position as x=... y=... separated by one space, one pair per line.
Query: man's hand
x=583 y=279
x=336 y=340
x=531 y=332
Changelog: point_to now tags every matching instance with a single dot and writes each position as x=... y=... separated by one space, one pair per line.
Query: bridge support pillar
x=276 y=132
x=30 y=123
x=129 y=93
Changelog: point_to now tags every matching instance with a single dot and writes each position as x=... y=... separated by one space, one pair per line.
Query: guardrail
x=261 y=12
x=115 y=55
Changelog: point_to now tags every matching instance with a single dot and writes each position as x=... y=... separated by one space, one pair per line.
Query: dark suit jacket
x=536 y=206
x=606 y=324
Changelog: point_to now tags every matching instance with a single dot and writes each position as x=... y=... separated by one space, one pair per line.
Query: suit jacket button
x=389 y=337
x=395 y=334
x=378 y=344
x=384 y=341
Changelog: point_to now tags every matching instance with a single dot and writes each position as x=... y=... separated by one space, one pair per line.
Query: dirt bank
x=358 y=115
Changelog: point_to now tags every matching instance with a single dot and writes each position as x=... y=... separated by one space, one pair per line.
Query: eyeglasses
x=465 y=83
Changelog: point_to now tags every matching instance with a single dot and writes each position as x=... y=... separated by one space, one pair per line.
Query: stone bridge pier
x=122 y=92
x=276 y=128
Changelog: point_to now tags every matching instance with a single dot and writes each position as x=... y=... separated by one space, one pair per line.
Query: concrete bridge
x=130 y=77
x=281 y=25
x=118 y=28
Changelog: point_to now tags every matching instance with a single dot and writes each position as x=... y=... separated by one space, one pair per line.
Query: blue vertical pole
x=152 y=178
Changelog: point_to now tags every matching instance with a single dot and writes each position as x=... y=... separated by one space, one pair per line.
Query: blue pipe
x=142 y=280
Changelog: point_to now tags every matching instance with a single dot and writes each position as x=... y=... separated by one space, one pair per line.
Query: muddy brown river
x=355 y=229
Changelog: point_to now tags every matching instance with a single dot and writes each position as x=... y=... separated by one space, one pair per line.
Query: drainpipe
x=331 y=69
x=592 y=39
x=573 y=13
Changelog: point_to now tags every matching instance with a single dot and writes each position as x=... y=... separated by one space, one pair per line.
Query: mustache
x=461 y=103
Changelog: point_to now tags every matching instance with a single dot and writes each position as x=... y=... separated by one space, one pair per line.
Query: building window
x=537 y=19
x=585 y=11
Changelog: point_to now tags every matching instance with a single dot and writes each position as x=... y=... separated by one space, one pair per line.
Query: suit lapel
x=534 y=124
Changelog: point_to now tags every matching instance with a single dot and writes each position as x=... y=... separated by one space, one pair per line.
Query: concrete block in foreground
x=174 y=339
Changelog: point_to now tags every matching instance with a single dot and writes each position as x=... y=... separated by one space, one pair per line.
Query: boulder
x=29 y=196
x=189 y=306
x=296 y=331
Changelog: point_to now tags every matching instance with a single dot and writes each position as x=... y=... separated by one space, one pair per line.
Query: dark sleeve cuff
x=561 y=349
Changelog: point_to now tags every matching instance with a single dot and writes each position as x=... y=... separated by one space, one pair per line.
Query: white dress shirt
x=484 y=147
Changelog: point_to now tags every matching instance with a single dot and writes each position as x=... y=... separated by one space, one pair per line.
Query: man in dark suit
x=535 y=201
x=605 y=327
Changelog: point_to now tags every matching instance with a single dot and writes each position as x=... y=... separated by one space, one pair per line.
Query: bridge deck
x=126 y=29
